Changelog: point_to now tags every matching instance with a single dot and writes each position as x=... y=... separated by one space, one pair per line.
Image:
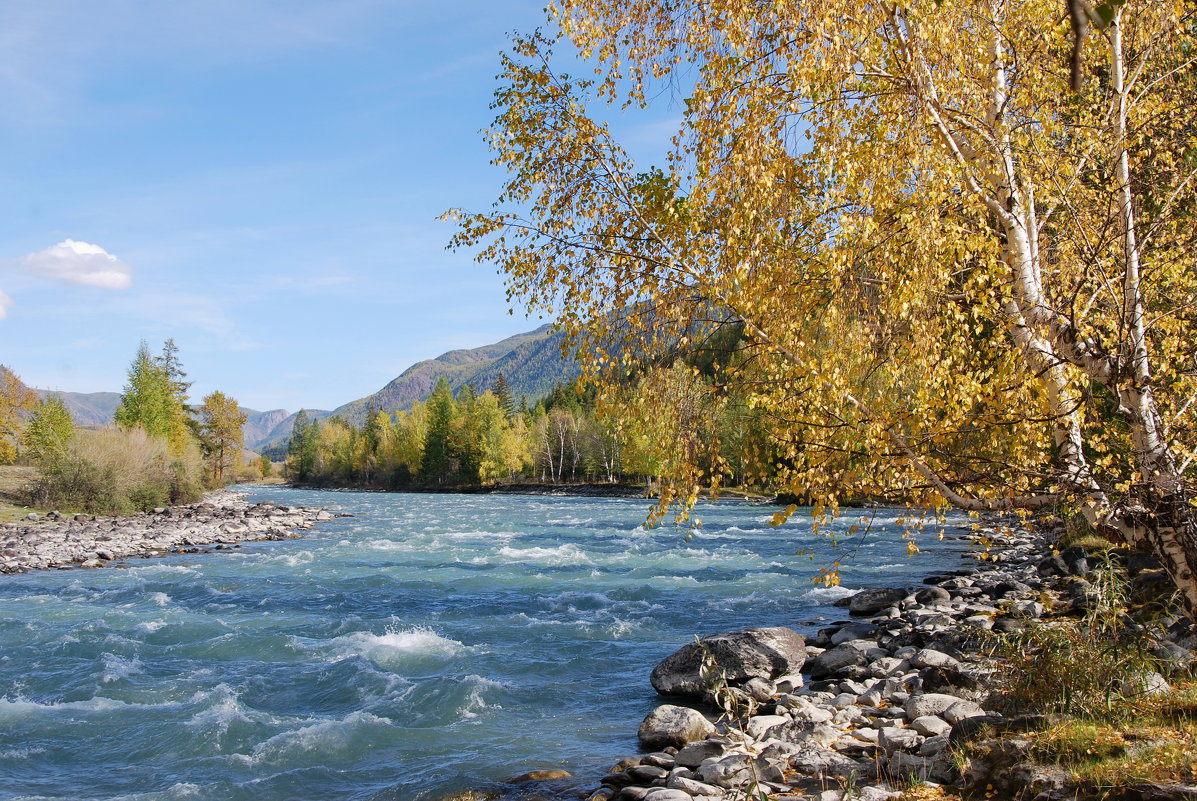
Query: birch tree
x=959 y=239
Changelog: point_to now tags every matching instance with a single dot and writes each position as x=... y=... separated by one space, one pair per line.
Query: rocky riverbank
x=221 y=521
x=869 y=705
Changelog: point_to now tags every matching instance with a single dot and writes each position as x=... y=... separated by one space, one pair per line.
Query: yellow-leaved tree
x=16 y=401
x=962 y=275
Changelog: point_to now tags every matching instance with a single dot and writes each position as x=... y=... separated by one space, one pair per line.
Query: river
x=428 y=643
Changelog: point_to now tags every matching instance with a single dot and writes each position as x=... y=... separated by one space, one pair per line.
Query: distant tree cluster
x=160 y=450
x=454 y=440
x=659 y=418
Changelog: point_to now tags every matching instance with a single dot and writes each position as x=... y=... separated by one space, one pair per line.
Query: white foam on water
x=485 y=536
x=176 y=792
x=20 y=707
x=572 y=598
x=393 y=646
x=158 y=598
x=21 y=753
x=826 y=595
x=118 y=667
x=623 y=628
x=321 y=740
x=295 y=559
x=568 y=554
x=674 y=579
x=476 y=702
x=161 y=569
x=150 y=626
x=385 y=545
x=222 y=708
x=41 y=599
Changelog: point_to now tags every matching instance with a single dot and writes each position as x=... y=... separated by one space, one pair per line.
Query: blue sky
x=258 y=179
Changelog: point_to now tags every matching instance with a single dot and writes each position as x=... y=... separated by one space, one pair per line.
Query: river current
x=428 y=643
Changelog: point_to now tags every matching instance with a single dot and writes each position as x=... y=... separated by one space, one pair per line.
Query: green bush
x=114 y=471
x=1093 y=667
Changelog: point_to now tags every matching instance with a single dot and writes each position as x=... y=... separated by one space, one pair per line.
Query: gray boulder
x=872 y=601
x=929 y=704
x=896 y=739
x=696 y=753
x=757 y=653
x=962 y=710
x=815 y=760
x=676 y=726
x=692 y=786
x=834 y=660
x=667 y=794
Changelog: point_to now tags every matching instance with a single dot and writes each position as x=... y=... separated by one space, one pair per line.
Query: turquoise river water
x=428 y=643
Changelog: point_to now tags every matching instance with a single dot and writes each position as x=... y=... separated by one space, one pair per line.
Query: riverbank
x=876 y=706
x=222 y=520
x=579 y=490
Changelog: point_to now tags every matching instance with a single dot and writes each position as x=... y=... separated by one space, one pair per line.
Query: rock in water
x=674 y=725
x=872 y=601
x=540 y=776
x=757 y=653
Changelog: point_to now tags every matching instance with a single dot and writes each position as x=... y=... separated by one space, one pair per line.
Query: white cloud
x=5 y=302
x=80 y=263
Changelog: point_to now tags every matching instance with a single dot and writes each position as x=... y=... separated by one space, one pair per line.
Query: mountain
x=259 y=425
x=88 y=408
x=531 y=362
x=281 y=432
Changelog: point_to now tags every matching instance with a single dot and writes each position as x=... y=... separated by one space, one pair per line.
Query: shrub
x=115 y=471
x=1095 y=667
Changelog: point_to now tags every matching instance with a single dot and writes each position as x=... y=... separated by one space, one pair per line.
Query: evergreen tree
x=296 y=465
x=148 y=401
x=503 y=395
x=169 y=361
x=437 y=464
x=466 y=437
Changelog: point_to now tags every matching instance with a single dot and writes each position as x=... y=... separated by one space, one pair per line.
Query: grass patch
x=1076 y=743
x=14 y=479
x=1078 y=532
x=1095 y=681
x=1156 y=742
x=930 y=792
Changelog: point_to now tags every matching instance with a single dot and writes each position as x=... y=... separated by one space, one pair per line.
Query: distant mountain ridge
x=88 y=408
x=531 y=362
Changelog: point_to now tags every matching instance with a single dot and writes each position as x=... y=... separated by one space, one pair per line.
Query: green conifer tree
x=503 y=395
x=148 y=401
x=437 y=464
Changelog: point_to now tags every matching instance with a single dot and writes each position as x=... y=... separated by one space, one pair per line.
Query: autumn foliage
x=964 y=275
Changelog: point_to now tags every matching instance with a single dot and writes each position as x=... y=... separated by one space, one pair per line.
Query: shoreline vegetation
x=566 y=490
